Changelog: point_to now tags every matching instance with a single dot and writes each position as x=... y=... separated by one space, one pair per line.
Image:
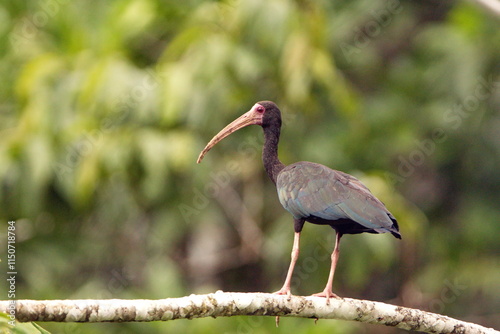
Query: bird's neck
x=272 y=163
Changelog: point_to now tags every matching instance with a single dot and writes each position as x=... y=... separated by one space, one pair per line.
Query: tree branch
x=493 y=6
x=221 y=304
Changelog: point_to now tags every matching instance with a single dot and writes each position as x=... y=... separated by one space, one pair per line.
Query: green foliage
x=19 y=328
x=105 y=105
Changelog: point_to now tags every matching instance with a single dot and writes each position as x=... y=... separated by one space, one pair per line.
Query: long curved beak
x=248 y=118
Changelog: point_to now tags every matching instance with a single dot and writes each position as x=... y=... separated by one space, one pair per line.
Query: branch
x=492 y=6
x=221 y=304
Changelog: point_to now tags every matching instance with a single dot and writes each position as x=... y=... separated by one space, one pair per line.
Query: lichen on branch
x=227 y=304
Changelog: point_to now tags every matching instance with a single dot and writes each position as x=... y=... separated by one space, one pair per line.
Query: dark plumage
x=313 y=192
x=321 y=195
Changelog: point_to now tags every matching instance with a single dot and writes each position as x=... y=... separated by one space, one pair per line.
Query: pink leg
x=327 y=292
x=285 y=290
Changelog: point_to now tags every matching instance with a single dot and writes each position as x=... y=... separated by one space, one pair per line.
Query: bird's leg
x=285 y=290
x=327 y=292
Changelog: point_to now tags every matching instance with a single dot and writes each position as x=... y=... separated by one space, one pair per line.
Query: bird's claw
x=283 y=292
x=326 y=294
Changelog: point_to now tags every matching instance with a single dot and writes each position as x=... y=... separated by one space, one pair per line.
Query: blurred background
x=104 y=107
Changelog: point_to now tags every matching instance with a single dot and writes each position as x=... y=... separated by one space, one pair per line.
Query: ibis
x=312 y=192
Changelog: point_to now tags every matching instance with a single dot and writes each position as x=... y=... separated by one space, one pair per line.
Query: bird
x=312 y=193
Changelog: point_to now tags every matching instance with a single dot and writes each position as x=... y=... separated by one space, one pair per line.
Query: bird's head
x=263 y=113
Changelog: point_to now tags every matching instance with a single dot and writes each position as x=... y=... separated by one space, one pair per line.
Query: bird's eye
x=260 y=109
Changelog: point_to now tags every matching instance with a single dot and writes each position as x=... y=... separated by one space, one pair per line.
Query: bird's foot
x=284 y=291
x=327 y=293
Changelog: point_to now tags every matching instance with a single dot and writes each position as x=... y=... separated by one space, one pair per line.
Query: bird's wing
x=307 y=189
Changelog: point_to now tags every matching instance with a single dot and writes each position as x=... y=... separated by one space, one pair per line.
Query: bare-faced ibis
x=313 y=192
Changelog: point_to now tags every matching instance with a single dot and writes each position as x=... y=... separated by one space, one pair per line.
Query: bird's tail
x=395 y=227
